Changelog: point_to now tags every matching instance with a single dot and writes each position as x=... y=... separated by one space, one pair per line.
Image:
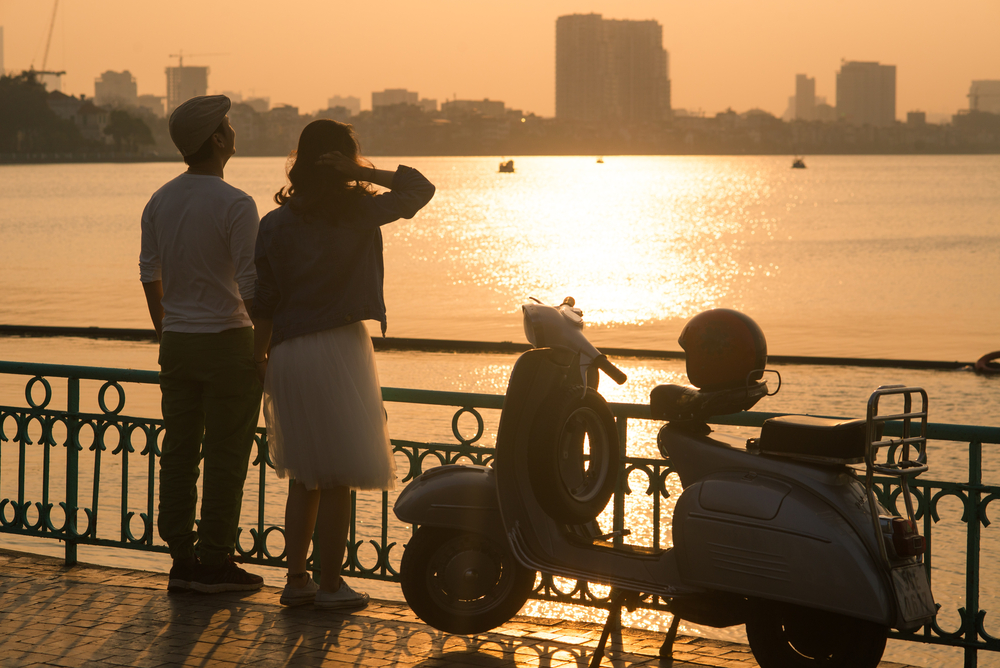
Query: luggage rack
x=898 y=461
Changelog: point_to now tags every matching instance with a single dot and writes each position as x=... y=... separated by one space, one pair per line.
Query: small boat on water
x=798 y=163
x=600 y=160
x=507 y=167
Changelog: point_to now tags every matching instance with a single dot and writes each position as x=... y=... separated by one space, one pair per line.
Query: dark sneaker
x=225 y=577
x=182 y=573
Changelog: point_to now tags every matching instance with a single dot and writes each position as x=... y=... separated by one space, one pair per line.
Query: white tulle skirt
x=323 y=407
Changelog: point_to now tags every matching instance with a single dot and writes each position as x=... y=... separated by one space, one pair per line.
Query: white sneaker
x=344 y=598
x=299 y=595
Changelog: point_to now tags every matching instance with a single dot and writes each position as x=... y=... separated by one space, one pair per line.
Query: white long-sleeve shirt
x=198 y=235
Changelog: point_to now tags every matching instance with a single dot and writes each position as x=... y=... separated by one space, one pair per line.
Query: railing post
x=618 y=519
x=72 y=466
x=972 y=553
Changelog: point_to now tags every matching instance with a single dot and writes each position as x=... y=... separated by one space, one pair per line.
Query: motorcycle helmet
x=725 y=349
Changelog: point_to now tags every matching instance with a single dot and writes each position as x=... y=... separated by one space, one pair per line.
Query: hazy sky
x=723 y=53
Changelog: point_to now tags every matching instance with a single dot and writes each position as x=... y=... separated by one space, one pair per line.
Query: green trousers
x=211 y=404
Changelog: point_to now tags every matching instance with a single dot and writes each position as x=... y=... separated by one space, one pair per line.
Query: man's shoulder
x=231 y=190
x=186 y=183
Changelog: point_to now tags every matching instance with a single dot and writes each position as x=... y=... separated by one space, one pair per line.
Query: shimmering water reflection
x=877 y=256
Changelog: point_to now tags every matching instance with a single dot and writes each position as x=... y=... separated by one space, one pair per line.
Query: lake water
x=870 y=256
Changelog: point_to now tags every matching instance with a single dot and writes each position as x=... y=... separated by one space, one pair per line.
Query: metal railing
x=47 y=438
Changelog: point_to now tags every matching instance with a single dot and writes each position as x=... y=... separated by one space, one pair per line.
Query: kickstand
x=667 y=648
x=613 y=623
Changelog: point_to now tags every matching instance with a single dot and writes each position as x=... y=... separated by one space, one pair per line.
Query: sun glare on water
x=634 y=240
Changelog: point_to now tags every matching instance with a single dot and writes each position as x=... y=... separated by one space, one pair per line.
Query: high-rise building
x=985 y=96
x=183 y=83
x=866 y=93
x=610 y=70
x=391 y=96
x=117 y=89
x=805 y=97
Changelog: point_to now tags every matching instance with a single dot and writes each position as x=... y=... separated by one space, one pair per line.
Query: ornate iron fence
x=42 y=433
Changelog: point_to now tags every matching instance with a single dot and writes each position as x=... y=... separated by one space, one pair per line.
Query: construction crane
x=48 y=43
x=52 y=26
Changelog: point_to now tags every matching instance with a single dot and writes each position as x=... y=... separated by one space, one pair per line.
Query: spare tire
x=574 y=455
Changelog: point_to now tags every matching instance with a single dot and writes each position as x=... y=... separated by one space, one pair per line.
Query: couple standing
x=305 y=276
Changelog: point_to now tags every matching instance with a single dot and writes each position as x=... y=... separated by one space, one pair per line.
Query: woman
x=319 y=276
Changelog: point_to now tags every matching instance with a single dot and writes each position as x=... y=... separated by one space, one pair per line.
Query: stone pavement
x=51 y=615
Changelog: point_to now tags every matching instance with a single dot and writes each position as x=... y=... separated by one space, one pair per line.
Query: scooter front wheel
x=462 y=582
x=574 y=455
x=785 y=636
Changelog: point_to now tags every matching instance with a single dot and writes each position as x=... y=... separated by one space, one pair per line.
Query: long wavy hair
x=314 y=188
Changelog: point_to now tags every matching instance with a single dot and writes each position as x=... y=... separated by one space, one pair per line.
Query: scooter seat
x=821 y=440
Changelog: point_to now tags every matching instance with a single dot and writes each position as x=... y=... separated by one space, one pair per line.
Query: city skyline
x=722 y=54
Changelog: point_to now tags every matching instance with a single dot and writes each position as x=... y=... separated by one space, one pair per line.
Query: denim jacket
x=316 y=273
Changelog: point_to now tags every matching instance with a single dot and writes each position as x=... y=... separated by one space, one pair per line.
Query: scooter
x=782 y=533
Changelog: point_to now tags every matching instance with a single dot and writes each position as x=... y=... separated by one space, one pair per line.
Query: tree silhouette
x=27 y=124
x=129 y=132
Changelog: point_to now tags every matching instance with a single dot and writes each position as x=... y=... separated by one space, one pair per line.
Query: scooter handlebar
x=614 y=373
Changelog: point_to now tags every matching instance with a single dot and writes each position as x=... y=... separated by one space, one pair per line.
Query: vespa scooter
x=782 y=533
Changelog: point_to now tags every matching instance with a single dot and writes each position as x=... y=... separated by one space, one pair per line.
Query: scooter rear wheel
x=574 y=456
x=462 y=582
x=785 y=636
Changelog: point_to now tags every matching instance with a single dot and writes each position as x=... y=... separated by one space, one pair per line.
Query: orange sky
x=723 y=53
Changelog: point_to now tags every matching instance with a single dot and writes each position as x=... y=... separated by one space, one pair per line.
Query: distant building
x=152 y=102
x=258 y=104
x=985 y=96
x=916 y=118
x=338 y=113
x=610 y=70
x=233 y=96
x=789 y=114
x=64 y=106
x=485 y=108
x=391 y=96
x=285 y=113
x=805 y=97
x=825 y=112
x=430 y=106
x=92 y=120
x=115 y=89
x=351 y=103
x=51 y=80
x=866 y=93
x=183 y=83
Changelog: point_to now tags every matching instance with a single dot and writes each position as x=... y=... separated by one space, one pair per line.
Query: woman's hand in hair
x=344 y=165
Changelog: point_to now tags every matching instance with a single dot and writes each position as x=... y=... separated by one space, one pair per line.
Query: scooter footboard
x=786 y=545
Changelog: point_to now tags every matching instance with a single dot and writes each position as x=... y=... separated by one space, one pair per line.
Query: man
x=197 y=270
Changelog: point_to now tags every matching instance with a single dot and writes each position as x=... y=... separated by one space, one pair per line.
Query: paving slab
x=88 y=615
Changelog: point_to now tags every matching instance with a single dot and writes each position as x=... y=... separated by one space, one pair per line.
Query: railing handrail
x=935 y=430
